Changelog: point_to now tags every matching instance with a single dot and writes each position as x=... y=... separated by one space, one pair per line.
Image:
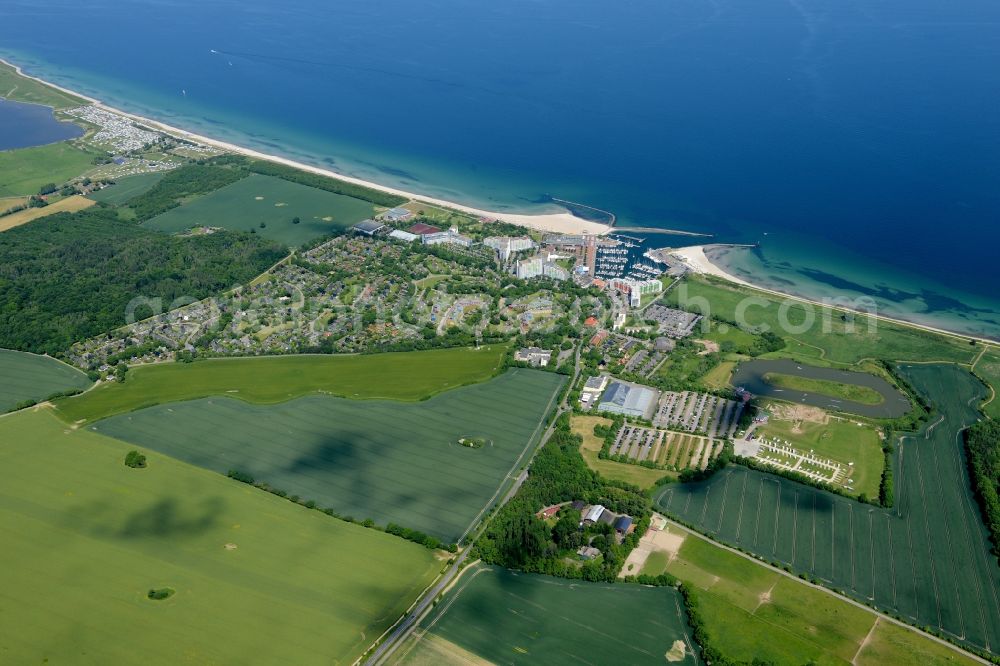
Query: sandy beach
x=696 y=258
x=564 y=222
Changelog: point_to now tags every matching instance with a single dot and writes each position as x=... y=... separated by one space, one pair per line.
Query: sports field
x=127 y=188
x=68 y=205
x=388 y=461
x=839 y=346
x=926 y=560
x=505 y=617
x=270 y=379
x=275 y=202
x=24 y=171
x=31 y=377
x=255 y=577
x=751 y=612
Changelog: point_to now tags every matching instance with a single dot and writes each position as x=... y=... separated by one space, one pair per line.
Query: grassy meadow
x=839 y=346
x=274 y=202
x=498 y=616
x=30 y=377
x=255 y=577
x=68 y=205
x=988 y=369
x=927 y=561
x=20 y=89
x=127 y=188
x=272 y=379
x=853 y=392
x=24 y=171
x=388 y=461
x=754 y=612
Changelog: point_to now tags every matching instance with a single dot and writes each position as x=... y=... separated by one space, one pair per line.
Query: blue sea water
x=26 y=125
x=857 y=140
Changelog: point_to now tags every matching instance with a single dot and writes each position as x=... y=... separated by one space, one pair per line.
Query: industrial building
x=628 y=400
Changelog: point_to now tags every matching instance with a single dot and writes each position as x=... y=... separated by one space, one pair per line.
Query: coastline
x=563 y=223
x=696 y=258
x=693 y=256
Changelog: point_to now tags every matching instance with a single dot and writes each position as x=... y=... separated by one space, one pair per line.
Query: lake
x=26 y=125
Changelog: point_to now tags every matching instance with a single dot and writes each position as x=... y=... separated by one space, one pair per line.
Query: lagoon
x=27 y=125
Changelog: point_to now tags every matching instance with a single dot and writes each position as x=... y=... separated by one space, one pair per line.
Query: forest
x=982 y=443
x=70 y=276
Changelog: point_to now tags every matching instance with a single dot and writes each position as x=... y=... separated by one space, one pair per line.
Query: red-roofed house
x=590 y=321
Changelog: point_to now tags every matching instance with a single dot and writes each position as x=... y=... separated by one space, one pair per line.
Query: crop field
x=24 y=171
x=68 y=205
x=839 y=346
x=505 y=617
x=30 y=377
x=388 y=461
x=927 y=560
x=270 y=379
x=127 y=188
x=255 y=577
x=751 y=611
x=273 y=202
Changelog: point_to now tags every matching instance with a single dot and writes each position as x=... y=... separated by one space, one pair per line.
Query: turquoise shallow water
x=858 y=141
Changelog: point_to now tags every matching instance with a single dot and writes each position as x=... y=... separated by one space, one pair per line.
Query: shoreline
x=562 y=223
x=695 y=258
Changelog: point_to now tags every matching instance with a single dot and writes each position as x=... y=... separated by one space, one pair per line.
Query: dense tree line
x=183 y=182
x=71 y=276
x=982 y=445
x=516 y=538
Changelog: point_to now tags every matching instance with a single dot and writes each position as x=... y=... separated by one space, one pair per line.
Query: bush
x=135 y=460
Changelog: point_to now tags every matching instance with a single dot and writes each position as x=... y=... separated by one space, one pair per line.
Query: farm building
x=623 y=525
x=621 y=398
x=593 y=514
x=549 y=511
x=368 y=227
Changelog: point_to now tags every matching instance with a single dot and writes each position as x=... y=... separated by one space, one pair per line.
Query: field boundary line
x=825 y=590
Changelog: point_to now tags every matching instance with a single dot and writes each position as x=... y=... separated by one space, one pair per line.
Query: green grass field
x=927 y=560
x=753 y=612
x=256 y=578
x=24 y=171
x=841 y=440
x=127 y=188
x=852 y=392
x=30 y=377
x=839 y=345
x=989 y=369
x=257 y=199
x=15 y=87
x=388 y=461
x=510 y=618
x=271 y=379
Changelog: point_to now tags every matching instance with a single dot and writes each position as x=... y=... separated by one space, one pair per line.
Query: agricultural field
x=18 y=88
x=808 y=429
x=988 y=368
x=498 y=616
x=254 y=577
x=837 y=347
x=272 y=379
x=127 y=188
x=273 y=202
x=68 y=205
x=642 y=477
x=24 y=171
x=927 y=560
x=751 y=612
x=389 y=461
x=30 y=377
